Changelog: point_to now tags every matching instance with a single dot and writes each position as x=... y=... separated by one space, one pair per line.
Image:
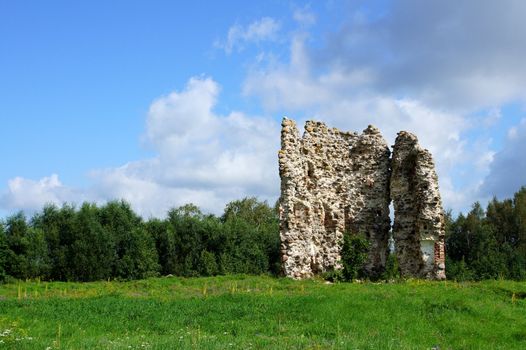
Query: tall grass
x=260 y=312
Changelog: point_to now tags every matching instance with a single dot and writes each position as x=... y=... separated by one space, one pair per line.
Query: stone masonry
x=334 y=182
x=418 y=228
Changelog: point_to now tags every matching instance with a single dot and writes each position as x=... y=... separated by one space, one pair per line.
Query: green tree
x=37 y=255
x=139 y=259
x=252 y=228
x=519 y=203
x=480 y=244
x=462 y=234
x=4 y=253
x=60 y=232
x=134 y=248
x=164 y=236
x=486 y=259
x=501 y=217
x=93 y=249
x=243 y=251
x=17 y=243
x=458 y=270
x=187 y=222
x=250 y=210
x=208 y=265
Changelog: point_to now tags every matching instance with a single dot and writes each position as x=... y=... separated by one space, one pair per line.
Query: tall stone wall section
x=331 y=182
x=418 y=228
x=368 y=195
x=334 y=182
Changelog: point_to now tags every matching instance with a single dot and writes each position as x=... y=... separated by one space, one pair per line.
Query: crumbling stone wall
x=332 y=182
x=418 y=228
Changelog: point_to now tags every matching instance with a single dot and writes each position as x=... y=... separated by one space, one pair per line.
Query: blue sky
x=163 y=102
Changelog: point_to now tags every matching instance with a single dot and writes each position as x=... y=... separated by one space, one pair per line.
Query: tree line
x=112 y=242
x=488 y=244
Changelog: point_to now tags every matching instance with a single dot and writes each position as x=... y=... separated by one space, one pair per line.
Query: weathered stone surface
x=334 y=181
x=331 y=181
x=418 y=228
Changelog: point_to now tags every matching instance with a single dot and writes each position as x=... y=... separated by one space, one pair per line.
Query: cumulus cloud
x=508 y=168
x=429 y=68
x=264 y=29
x=29 y=195
x=464 y=55
x=202 y=158
x=304 y=16
x=338 y=97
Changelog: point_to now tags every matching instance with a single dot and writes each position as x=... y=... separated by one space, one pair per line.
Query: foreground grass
x=256 y=312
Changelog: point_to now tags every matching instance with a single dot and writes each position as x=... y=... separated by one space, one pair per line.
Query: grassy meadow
x=261 y=312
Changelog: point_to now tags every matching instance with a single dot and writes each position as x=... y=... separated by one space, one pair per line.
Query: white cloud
x=264 y=29
x=30 y=195
x=426 y=68
x=137 y=184
x=202 y=157
x=429 y=68
x=341 y=97
x=304 y=16
x=464 y=55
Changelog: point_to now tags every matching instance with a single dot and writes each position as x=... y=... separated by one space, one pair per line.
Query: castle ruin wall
x=334 y=182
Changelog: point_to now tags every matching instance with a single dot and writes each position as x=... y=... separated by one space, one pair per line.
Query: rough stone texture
x=418 y=228
x=331 y=181
x=334 y=181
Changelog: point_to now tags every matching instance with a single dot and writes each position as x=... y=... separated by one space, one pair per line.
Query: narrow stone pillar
x=418 y=228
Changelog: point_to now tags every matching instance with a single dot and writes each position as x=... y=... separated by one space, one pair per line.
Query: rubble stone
x=418 y=228
x=331 y=182
x=334 y=182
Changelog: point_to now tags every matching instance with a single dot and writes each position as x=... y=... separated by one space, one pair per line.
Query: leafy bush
x=458 y=270
x=392 y=269
x=333 y=276
x=354 y=255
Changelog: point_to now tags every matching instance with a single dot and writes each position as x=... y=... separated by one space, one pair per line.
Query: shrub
x=392 y=269
x=354 y=256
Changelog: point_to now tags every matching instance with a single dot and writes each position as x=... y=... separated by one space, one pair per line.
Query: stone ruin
x=334 y=182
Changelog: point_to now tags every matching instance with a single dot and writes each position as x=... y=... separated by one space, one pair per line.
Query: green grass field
x=260 y=312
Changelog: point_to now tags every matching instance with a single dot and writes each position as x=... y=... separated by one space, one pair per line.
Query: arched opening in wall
x=427 y=247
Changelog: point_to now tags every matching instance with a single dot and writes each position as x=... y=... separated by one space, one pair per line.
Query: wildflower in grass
x=6 y=332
